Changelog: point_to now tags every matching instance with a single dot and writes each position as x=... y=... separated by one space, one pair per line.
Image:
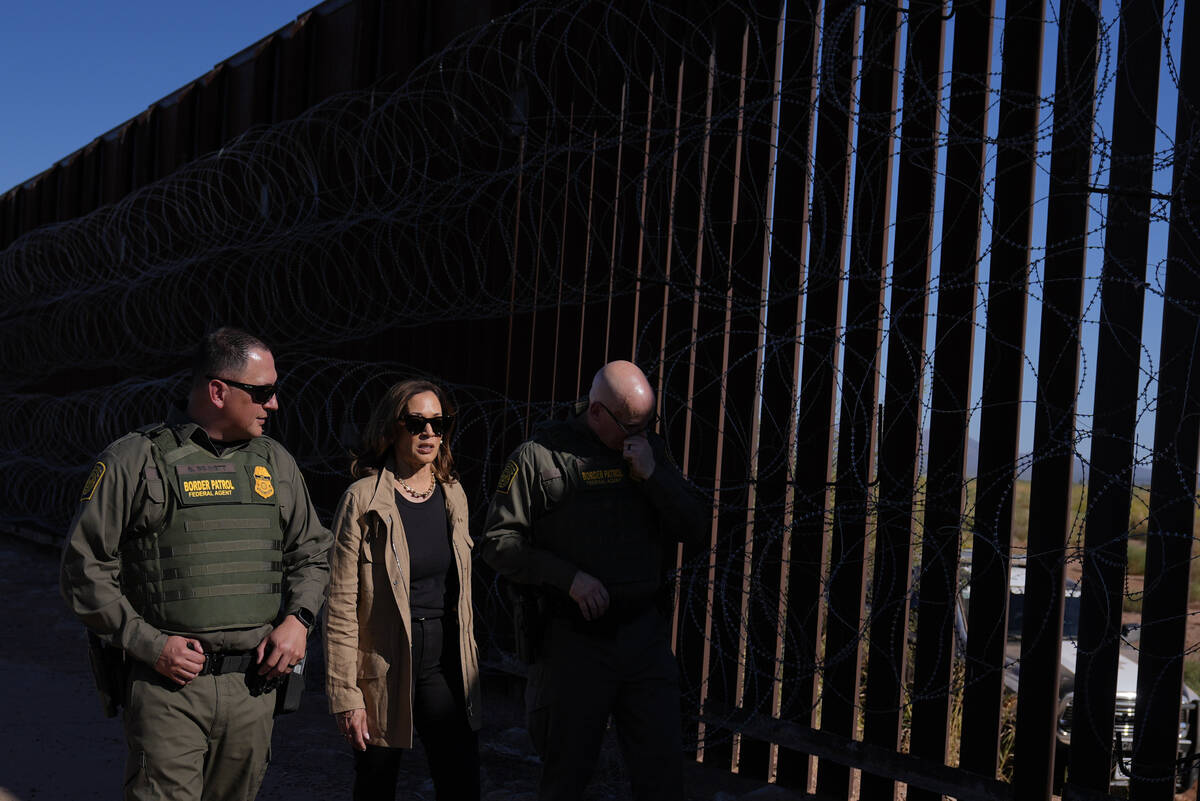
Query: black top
x=429 y=556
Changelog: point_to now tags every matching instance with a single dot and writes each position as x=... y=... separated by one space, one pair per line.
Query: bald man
x=585 y=515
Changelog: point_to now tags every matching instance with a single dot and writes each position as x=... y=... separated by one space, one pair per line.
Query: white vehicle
x=1127 y=669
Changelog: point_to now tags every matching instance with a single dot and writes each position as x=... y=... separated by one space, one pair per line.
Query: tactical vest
x=599 y=519
x=216 y=559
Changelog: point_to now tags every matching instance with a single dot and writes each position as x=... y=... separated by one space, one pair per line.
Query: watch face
x=305 y=617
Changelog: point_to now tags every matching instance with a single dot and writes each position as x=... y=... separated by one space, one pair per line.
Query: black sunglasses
x=259 y=393
x=631 y=431
x=415 y=423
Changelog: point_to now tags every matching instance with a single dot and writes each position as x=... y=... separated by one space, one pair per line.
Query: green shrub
x=1137 y=558
x=1191 y=673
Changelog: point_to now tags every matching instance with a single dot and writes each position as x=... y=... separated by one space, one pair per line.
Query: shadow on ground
x=57 y=744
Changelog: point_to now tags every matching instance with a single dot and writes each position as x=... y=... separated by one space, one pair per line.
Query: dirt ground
x=56 y=744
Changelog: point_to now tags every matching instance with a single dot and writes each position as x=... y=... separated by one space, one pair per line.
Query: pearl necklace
x=418 y=495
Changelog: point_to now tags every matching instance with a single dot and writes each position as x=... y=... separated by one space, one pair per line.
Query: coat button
x=395 y=583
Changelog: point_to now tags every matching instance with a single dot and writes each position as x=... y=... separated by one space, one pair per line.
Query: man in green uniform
x=586 y=512
x=196 y=550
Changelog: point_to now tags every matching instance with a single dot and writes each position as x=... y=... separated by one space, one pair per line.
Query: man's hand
x=640 y=455
x=353 y=726
x=181 y=659
x=590 y=594
x=280 y=650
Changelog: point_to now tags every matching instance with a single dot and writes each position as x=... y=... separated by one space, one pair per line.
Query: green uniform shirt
x=566 y=502
x=114 y=504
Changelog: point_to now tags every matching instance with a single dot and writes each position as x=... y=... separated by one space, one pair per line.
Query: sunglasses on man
x=259 y=393
x=632 y=430
x=415 y=423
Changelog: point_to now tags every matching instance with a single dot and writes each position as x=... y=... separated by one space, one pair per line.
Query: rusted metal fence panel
x=855 y=481
x=8 y=224
x=143 y=131
x=689 y=170
x=627 y=78
x=703 y=654
x=1004 y=348
x=751 y=47
x=806 y=612
x=1106 y=536
x=696 y=399
x=248 y=82
x=782 y=312
x=174 y=144
x=44 y=198
x=335 y=34
x=1169 y=542
x=933 y=681
x=293 y=69
x=70 y=189
x=210 y=110
x=1058 y=371
x=900 y=427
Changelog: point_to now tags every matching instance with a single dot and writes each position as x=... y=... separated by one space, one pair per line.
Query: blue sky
x=1091 y=301
x=74 y=69
x=1152 y=321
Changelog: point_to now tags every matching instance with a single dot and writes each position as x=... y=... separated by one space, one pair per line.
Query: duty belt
x=220 y=663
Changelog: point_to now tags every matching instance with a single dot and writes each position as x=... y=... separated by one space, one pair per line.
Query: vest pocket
x=154 y=485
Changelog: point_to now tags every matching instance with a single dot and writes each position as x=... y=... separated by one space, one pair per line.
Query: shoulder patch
x=506 y=477
x=93 y=480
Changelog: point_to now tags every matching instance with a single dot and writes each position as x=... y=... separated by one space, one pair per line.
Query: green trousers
x=207 y=741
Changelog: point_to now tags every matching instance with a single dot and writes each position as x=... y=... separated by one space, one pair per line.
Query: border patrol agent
x=196 y=551
x=584 y=514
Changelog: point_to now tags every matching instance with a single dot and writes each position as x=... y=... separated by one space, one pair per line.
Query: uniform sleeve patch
x=93 y=480
x=506 y=477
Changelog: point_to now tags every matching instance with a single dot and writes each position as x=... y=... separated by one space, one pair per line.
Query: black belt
x=220 y=663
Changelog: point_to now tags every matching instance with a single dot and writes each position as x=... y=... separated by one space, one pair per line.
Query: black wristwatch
x=304 y=616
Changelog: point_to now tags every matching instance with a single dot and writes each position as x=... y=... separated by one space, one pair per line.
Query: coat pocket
x=372 y=681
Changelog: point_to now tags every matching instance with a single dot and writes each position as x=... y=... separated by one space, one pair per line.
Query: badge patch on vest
x=506 y=477
x=93 y=479
x=262 y=482
x=602 y=477
x=196 y=488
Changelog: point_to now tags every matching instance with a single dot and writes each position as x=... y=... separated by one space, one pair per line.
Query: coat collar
x=383 y=500
x=383 y=494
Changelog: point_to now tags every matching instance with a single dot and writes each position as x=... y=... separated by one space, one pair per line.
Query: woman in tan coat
x=399 y=643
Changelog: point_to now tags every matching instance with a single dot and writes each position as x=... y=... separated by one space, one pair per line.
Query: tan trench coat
x=368 y=638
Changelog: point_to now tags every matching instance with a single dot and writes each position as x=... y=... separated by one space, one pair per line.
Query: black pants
x=581 y=678
x=440 y=718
